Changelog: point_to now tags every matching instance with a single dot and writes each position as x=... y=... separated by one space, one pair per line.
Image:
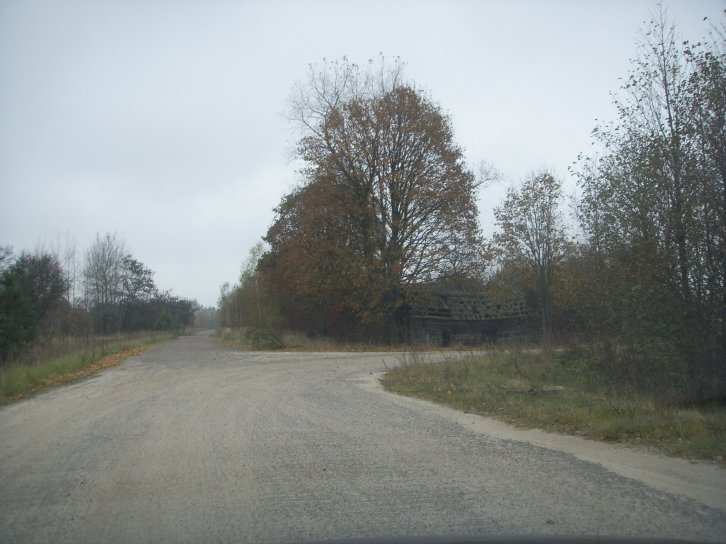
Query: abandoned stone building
x=445 y=319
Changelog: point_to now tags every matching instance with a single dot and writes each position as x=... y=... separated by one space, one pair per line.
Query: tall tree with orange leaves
x=387 y=201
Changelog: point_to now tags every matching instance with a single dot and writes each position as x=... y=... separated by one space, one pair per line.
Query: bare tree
x=531 y=228
x=102 y=275
x=64 y=249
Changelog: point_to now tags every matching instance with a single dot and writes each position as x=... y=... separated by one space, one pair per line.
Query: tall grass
x=567 y=392
x=61 y=360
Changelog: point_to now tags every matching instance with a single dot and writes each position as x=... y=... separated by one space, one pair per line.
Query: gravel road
x=192 y=442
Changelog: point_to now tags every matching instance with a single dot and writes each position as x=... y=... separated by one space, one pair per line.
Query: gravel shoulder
x=194 y=442
x=697 y=480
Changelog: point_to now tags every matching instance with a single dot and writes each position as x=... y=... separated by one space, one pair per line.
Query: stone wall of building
x=445 y=319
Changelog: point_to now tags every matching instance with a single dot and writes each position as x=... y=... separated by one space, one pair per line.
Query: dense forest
x=634 y=266
x=48 y=294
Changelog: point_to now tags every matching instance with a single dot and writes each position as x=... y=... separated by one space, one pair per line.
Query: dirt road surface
x=192 y=442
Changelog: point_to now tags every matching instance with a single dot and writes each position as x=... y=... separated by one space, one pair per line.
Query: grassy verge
x=561 y=393
x=18 y=380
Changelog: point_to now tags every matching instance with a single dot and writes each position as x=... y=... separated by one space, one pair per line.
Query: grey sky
x=162 y=121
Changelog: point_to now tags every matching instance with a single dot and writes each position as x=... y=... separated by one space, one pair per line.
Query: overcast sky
x=162 y=121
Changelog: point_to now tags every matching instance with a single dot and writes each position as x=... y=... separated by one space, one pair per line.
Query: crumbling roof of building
x=463 y=306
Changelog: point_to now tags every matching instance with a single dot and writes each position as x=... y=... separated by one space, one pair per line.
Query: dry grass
x=562 y=394
x=67 y=361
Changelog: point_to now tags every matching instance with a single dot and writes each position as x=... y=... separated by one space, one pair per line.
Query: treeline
x=387 y=207
x=641 y=277
x=48 y=294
